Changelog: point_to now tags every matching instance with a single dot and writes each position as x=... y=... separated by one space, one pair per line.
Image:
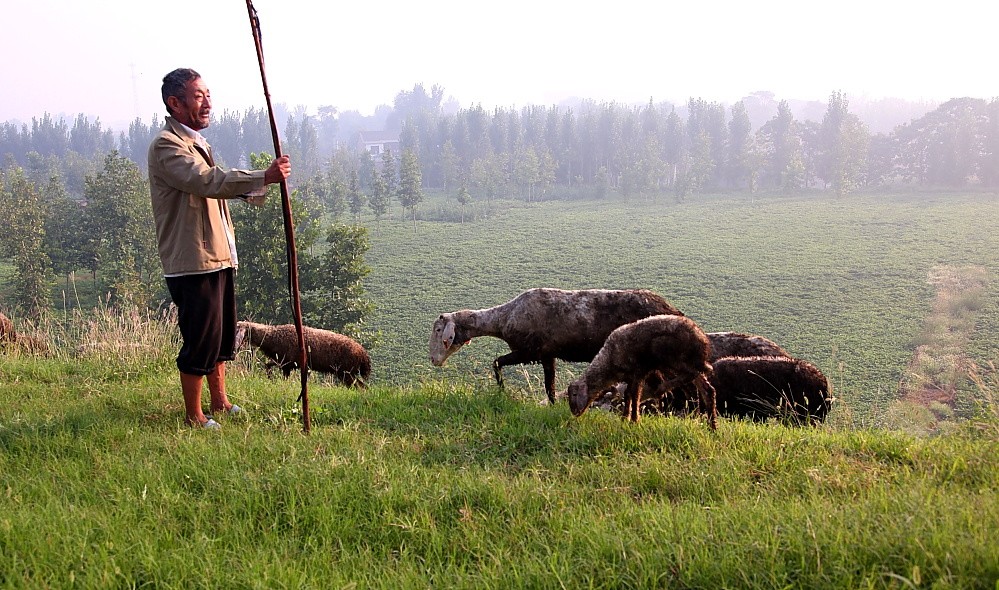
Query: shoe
x=233 y=411
x=211 y=424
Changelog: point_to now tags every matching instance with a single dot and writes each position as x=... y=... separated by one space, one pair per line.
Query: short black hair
x=175 y=83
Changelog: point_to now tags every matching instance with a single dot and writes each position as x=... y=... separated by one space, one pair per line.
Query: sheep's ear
x=240 y=335
x=448 y=335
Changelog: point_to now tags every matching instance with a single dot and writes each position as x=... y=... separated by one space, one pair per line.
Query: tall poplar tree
x=410 y=183
x=22 y=237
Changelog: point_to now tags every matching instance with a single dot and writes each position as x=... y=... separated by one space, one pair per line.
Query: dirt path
x=939 y=364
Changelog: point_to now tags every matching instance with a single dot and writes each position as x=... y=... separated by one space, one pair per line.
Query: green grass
x=454 y=485
x=433 y=477
x=842 y=282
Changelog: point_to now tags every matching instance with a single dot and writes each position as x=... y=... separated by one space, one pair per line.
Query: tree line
x=75 y=196
x=45 y=233
x=591 y=150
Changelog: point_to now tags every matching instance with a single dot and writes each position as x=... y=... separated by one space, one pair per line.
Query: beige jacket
x=188 y=195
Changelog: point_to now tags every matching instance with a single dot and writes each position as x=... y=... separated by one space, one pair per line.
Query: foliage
x=261 y=242
x=338 y=297
x=355 y=197
x=410 y=182
x=843 y=146
x=22 y=237
x=121 y=222
x=382 y=186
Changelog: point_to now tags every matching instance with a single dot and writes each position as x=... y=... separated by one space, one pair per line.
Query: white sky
x=106 y=58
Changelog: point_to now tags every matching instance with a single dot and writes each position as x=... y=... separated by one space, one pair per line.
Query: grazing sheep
x=669 y=344
x=738 y=344
x=723 y=344
x=541 y=325
x=767 y=387
x=328 y=352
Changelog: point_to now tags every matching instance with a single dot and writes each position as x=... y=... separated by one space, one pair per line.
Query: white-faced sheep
x=669 y=345
x=541 y=325
x=760 y=388
x=328 y=352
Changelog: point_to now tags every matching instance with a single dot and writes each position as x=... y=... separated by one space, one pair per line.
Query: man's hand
x=279 y=170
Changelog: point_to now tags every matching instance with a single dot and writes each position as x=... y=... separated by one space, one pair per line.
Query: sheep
x=328 y=352
x=762 y=387
x=544 y=324
x=738 y=344
x=668 y=344
x=723 y=344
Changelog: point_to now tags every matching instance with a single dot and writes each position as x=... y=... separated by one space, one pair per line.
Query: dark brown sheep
x=667 y=344
x=760 y=388
x=723 y=344
x=738 y=344
x=541 y=325
x=328 y=352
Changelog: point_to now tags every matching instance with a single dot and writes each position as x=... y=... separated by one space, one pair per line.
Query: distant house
x=377 y=142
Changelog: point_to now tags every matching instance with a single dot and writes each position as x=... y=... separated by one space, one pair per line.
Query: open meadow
x=434 y=477
x=842 y=282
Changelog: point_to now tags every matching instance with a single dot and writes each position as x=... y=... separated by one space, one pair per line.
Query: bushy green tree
x=355 y=195
x=22 y=237
x=121 y=220
x=464 y=198
x=68 y=239
x=379 y=200
x=780 y=151
x=262 y=283
x=338 y=301
x=410 y=183
x=844 y=141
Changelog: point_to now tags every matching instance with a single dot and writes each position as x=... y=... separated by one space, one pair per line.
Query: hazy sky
x=107 y=58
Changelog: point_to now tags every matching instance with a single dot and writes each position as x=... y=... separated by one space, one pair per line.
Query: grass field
x=433 y=477
x=455 y=486
x=841 y=282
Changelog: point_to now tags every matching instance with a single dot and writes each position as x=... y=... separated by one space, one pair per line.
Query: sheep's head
x=445 y=339
x=579 y=397
x=237 y=343
x=245 y=334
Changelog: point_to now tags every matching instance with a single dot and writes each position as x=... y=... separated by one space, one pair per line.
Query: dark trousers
x=206 y=315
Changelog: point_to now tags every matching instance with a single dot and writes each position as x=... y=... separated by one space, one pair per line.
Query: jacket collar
x=190 y=137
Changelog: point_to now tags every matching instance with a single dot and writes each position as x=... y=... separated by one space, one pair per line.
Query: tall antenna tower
x=135 y=92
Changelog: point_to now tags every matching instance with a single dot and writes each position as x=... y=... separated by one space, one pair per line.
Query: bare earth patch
x=939 y=364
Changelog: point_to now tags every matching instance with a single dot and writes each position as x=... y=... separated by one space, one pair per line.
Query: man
x=196 y=241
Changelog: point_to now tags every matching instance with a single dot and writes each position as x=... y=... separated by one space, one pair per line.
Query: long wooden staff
x=289 y=228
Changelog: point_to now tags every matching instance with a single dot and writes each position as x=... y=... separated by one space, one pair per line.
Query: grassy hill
x=460 y=486
x=433 y=477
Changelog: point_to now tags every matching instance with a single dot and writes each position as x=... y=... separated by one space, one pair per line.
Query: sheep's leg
x=549 y=366
x=708 y=400
x=635 y=398
x=513 y=358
